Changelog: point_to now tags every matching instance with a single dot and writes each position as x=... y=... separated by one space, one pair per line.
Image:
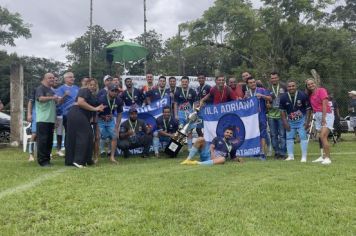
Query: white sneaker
x=326 y=161
x=31 y=158
x=60 y=153
x=303 y=160
x=289 y=158
x=77 y=165
x=320 y=159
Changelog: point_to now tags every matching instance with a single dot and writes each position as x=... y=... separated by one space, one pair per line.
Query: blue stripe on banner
x=249 y=148
x=243 y=107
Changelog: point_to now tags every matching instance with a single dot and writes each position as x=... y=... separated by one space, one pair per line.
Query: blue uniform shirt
x=69 y=99
x=295 y=107
x=170 y=127
x=223 y=148
x=114 y=107
x=132 y=99
x=157 y=94
x=263 y=108
x=202 y=91
x=185 y=99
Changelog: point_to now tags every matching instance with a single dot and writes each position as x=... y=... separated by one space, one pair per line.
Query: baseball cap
x=113 y=87
x=106 y=77
x=132 y=109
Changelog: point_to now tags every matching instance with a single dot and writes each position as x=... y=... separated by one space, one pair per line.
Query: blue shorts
x=297 y=126
x=263 y=129
x=33 y=124
x=205 y=153
x=107 y=129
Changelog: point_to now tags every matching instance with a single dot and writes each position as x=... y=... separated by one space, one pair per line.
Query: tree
x=12 y=27
x=79 y=51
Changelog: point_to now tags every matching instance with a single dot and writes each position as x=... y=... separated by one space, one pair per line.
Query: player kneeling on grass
x=219 y=150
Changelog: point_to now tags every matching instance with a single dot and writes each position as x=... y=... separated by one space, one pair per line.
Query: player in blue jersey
x=263 y=96
x=183 y=104
x=217 y=152
x=132 y=96
x=110 y=118
x=158 y=92
x=295 y=113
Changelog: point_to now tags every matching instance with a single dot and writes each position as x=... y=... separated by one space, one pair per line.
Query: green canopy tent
x=124 y=52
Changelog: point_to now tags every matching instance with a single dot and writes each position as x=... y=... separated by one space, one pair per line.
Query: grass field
x=161 y=197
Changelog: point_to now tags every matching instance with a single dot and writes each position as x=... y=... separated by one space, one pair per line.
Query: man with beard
x=184 y=99
x=167 y=126
x=219 y=150
x=236 y=88
x=157 y=93
x=131 y=96
x=220 y=93
x=295 y=113
x=110 y=118
x=263 y=96
x=134 y=133
x=202 y=91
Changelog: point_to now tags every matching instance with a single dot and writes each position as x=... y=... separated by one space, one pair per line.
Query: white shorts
x=59 y=123
x=353 y=121
x=329 y=120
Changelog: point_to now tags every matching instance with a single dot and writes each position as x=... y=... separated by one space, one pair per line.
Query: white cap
x=353 y=92
x=107 y=77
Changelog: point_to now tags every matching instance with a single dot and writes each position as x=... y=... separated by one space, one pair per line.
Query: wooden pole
x=16 y=103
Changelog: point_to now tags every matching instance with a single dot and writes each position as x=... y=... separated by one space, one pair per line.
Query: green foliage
x=12 y=27
x=161 y=197
x=79 y=51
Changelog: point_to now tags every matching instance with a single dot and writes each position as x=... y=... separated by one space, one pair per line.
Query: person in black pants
x=46 y=116
x=135 y=133
x=80 y=138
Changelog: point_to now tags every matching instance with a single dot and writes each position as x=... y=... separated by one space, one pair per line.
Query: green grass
x=161 y=197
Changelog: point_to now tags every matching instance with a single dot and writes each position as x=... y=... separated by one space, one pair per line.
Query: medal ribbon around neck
x=133 y=127
x=295 y=98
x=274 y=92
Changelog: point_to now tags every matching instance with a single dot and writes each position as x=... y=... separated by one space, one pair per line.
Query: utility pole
x=144 y=33
x=90 y=37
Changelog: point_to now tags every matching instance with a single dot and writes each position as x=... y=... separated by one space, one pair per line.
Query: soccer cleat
x=303 y=160
x=193 y=162
x=31 y=158
x=185 y=162
x=326 y=161
x=320 y=159
x=289 y=158
x=263 y=157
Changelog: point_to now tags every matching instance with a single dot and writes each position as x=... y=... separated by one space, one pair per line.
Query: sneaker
x=78 y=165
x=289 y=158
x=185 y=162
x=320 y=159
x=263 y=157
x=326 y=161
x=303 y=160
x=193 y=162
x=60 y=153
x=31 y=158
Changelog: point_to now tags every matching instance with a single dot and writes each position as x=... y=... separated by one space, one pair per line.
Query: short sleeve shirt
x=113 y=106
x=45 y=111
x=157 y=94
x=185 y=99
x=276 y=92
x=69 y=99
x=295 y=106
x=132 y=98
x=202 y=91
x=169 y=126
x=139 y=127
x=223 y=148
x=316 y=100
x=89 y=98
x=226 y=95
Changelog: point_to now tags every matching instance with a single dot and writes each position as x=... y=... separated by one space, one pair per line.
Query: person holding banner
x=324 y=118
x=236 y=88
x=295 y=112
x=184 y=99
x=216 y=153
x=263 y=96
x=131 y=96
x=157 y=93
x=108 y=125
x=220 y=93
x=167 y=126
x=134 y=133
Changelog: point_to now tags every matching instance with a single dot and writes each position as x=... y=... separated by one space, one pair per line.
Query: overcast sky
x=56 y=22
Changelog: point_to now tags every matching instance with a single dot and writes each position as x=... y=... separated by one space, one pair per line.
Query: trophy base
x=173 y=148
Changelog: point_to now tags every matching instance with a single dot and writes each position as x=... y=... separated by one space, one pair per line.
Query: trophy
x=180 y=137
